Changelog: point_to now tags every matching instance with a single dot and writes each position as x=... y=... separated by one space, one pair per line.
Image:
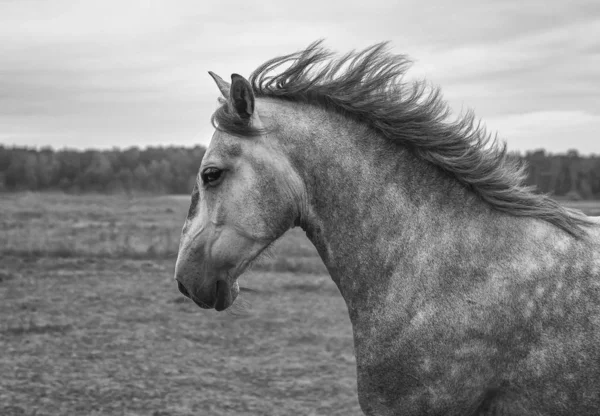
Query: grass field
x=92 y=322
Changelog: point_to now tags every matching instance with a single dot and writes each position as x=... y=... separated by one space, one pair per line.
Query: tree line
x=172 y=170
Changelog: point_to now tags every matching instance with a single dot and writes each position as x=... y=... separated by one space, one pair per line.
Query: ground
x=92 y=322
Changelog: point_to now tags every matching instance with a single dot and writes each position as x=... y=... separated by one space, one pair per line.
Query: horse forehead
x=224 y=145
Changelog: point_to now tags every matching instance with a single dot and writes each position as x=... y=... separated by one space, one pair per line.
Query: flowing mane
x=368 y=86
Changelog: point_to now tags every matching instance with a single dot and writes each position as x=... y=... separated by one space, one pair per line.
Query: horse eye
x=211 y=175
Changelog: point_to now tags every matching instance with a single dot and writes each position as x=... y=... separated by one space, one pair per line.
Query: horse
x=468 y=291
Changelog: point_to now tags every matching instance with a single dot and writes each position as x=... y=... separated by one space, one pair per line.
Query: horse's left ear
x=223 y=86
x=241 y=97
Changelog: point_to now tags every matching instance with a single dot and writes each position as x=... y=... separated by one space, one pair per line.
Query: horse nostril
x=182 y=289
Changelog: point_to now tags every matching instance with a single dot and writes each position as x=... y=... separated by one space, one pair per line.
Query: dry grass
x=92 y=322
x=55 y=225
x=96 y=336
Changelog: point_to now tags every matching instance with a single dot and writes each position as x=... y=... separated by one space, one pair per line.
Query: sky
x=102 y=74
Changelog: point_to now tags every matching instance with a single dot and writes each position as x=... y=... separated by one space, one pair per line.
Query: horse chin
x=226 y=294
x=202 y=305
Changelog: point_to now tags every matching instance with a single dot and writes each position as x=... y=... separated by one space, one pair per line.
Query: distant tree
x=126 y=179
x=563 y=180
x=142 y=179
x=21 y=172
x=129 y=158
x=98 y=173
x=5 y=158
x=584 y=188
x=70 y=168
x=46 y=169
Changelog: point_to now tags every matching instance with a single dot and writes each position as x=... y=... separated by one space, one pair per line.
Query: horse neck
x=376 y=212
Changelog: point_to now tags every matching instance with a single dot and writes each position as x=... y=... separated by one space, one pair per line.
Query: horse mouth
x=220 y=299
x=201 y=304
x=223 y=298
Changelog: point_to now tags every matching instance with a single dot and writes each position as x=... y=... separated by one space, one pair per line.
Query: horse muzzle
x=217 y=296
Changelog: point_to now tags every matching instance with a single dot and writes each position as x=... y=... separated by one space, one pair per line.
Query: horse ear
x=241 y=97
x=222 y=84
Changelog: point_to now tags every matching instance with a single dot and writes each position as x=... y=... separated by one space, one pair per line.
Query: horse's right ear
x=224 y=86
x=241 y=97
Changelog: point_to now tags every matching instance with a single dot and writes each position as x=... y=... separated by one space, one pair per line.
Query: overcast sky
x=81 y=74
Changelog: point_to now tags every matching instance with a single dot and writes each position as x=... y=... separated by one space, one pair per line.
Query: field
x=92 y=322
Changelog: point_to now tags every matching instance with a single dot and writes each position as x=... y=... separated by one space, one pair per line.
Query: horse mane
x=368 y=86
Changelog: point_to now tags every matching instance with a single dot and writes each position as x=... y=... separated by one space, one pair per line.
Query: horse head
x=245 y=197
